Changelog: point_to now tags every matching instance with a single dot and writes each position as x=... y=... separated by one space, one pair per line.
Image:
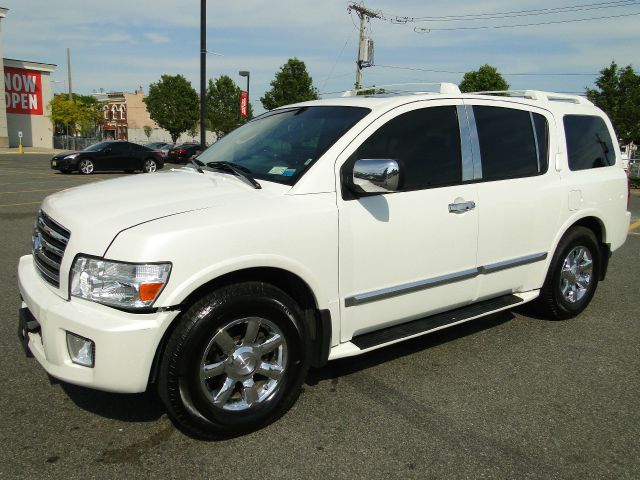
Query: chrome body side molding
x=405 y=288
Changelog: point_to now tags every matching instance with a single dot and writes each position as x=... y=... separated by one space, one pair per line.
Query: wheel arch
x=593 y=222
x=317 y=322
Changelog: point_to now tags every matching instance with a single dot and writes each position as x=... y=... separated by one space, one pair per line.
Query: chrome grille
x=48 y=244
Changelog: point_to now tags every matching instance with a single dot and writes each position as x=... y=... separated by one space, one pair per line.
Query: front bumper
x=125 y=343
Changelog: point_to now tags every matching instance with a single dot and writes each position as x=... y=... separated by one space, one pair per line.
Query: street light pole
x=203 y=68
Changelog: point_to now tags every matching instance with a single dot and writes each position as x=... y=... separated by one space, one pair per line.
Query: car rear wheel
x=235 y=362
x=572 y=277
x=150 y=166
x=86 y=166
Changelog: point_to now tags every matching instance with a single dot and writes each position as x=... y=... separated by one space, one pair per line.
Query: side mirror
x=376 y=176
x=108 y=150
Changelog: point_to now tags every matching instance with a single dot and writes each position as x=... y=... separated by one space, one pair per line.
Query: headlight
x=72 y=156
x=123 y=285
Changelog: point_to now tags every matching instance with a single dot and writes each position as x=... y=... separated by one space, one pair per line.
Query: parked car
x=181 y=153
x=164 y=150
x=157 y=145
x=320 y=231
x=109 y=156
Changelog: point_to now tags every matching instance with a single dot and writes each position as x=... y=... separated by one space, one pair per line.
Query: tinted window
x=425 y=142
x=119 y=147
x=513 y=143
x=588 y=142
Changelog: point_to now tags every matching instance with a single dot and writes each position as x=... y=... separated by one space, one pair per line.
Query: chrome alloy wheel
x=243 y=363
x=576 y=274
x=150 y=166
x=86 y=166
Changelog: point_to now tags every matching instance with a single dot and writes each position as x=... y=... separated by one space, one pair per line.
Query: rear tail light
x=180 y=150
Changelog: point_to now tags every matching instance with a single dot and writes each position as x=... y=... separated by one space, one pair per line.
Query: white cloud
x=162 y=36
x=155 y=37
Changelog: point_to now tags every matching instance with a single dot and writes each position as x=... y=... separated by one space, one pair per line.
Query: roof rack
x=392 y=89
x=538 y=95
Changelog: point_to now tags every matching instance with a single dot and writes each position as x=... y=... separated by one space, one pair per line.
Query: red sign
x=244 y=104
x=23 y=91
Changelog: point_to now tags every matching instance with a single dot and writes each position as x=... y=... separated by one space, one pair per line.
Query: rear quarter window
x=589 y=144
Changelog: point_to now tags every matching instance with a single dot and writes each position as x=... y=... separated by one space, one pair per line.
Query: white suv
x=320 y=231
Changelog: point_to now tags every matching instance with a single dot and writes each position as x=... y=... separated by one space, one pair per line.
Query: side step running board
x=397 y=332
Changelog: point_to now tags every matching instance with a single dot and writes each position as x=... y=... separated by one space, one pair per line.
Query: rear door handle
x=461 y=207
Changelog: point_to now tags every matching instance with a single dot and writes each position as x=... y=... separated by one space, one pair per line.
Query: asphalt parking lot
x=507 y=396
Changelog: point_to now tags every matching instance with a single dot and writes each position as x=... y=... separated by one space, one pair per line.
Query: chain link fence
x=69 y=142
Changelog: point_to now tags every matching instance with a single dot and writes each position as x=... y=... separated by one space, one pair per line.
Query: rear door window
x=513 y=143
x=589 y=144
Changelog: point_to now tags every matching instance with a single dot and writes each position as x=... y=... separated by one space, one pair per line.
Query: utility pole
x=69 y=72
x=364 y=14
x=203 y=69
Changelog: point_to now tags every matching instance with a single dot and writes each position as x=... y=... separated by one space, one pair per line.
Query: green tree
x=173 y=104
x=147 y=131
x=223 y=106
x=81 y=114
x=291 y=85
x=90 y=114
x=486 y=78
x=617 y=93
x=64 y=113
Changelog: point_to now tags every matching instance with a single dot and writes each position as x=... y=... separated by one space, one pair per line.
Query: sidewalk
x=31 y=150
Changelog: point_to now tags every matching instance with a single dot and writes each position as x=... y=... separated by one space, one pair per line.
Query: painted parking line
x=18 y=204
x=634 y=225
x=30 y=191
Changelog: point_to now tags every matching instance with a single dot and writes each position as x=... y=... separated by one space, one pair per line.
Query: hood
x=64 y=154
x=102 y=209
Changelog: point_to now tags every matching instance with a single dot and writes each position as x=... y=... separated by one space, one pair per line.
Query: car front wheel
x=235 y=362
x=86 y=166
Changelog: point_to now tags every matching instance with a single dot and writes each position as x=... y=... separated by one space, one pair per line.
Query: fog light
x=81 y=350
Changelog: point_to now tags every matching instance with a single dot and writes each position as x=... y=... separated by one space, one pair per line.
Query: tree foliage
x=223 y=106
x=486 y=78
x=617 y=93
x=173 y=104
x=82 y=114
x=291 y=85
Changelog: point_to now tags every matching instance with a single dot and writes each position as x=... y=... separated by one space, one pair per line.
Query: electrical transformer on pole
x=365 y=44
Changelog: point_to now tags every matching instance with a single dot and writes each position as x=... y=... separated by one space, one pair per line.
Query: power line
x=504 y=74
x=488 y=27
x=516 y=13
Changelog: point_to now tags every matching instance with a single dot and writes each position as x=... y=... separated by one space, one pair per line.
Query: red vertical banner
x=244 y=104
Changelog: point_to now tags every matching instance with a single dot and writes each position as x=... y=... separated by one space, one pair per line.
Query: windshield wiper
x=195 y=164
x=243 y=172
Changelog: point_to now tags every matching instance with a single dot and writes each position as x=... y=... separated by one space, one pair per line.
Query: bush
x=635 y=182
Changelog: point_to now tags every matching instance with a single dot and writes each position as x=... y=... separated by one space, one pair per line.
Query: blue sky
x=118 y=45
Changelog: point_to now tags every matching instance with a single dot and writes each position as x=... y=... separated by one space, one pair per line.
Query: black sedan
x=109 y=156
x=182 y=153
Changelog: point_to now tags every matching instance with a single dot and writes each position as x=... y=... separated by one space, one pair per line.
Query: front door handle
x=461 y=207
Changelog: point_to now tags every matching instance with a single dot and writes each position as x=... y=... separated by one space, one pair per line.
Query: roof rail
x=392 y=89
x=538 y=95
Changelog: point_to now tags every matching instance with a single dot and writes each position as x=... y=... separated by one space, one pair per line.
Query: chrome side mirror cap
x=376 y=176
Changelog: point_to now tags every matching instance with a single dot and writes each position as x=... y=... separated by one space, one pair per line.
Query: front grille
x=48 y=244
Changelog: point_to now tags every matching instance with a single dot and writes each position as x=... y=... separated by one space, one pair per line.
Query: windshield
x=281 y=145
x=96 y=147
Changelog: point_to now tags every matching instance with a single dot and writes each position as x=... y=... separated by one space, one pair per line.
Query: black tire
x=552 y=303
x=86 y=166
x=187 y=398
